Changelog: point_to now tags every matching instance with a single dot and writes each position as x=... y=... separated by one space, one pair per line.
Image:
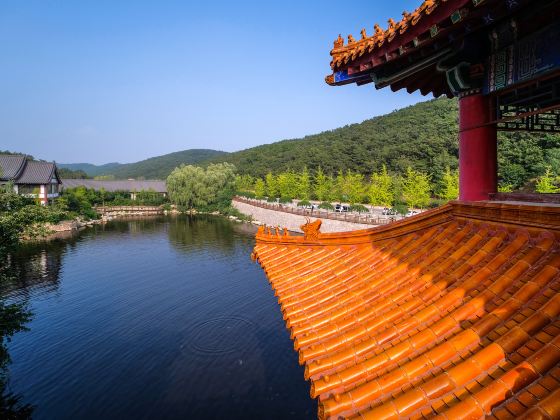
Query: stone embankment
x=69 y=227
x=293 y=221
x=119 y=211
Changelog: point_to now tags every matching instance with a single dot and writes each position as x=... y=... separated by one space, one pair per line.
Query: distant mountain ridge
x=90 y=168
x=423 y=136
x=158 y=167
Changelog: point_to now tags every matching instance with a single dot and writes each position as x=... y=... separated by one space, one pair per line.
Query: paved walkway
x=294 y=221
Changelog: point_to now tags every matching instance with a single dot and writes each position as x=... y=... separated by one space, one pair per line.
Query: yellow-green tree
x=354 y=187
x=450 y=185
x=416 y=188
x=545 y=183
x=244 y=182
x=340 y=187
x=260 y=188
x=380 y=192
x=288 y=185
x=304 y=187
x=271 y=185
x=322 y=185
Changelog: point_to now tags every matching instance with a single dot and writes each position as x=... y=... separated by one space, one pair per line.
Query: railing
x=129 y=209
x=366 y=219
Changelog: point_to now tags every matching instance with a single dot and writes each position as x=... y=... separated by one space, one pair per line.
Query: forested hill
x=423 y=136
x=89 y=168
x=158 y=167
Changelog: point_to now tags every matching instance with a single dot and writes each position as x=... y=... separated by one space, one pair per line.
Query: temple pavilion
x=453 y=313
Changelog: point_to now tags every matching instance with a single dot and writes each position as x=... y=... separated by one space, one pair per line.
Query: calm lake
x=153 y=318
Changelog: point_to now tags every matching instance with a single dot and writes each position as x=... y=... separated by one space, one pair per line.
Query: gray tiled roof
x=130 y=185
x=37 y=173
x=18 y=169
x=11 y=166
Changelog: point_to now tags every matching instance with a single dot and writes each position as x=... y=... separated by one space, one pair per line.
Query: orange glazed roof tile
x=450 y=314
x=394 y=33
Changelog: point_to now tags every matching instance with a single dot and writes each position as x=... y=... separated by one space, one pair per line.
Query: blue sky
x=103 y=81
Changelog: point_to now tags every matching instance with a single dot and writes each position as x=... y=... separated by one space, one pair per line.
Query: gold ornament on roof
x=391 y=30
x=339 y=42
x=379 y=36
x=311 y=229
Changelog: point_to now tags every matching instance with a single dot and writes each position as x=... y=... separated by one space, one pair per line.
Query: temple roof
x=37 y=173
x=395 y=35
x=454 y=312
x=20 y=170
x=11 y=166
x=441 y=47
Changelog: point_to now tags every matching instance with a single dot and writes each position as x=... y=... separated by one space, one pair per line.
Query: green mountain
x=89 y=168
x=423 y=136
x=153 y=168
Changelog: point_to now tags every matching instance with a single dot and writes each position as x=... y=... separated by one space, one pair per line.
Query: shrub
x=400 y=208
x=246 y=194
x=359 y=208
x=325 y=205
x=304 y=203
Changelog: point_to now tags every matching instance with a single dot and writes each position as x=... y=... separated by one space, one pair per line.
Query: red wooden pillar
x=478 y=143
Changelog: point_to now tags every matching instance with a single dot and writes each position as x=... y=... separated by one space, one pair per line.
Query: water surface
x=153 y=318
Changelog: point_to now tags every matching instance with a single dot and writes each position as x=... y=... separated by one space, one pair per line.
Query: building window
x=53 y=189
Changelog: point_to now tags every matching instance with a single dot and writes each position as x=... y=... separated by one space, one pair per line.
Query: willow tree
x=193 y=187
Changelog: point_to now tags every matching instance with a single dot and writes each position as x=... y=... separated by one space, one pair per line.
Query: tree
x=322 y=185
x=450 y=185
x=187 y=187
x=304 y=188
x=244 y=182
x=545 y=183
x=340 y=187
x=288 y=185
x=416 y=188
x=271 y=185
x=260 y=188
x=354 y=187
x=380 y=190
x=193 y=187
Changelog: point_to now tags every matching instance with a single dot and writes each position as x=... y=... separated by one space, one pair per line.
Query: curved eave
x=428 y=316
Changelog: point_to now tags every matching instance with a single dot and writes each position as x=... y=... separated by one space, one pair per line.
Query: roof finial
x=339 y=42
x=363 y=33
x=351 y=39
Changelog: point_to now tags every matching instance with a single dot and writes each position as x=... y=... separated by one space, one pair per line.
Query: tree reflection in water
x=13 y=317
x=188 y=233
x=31 y=266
